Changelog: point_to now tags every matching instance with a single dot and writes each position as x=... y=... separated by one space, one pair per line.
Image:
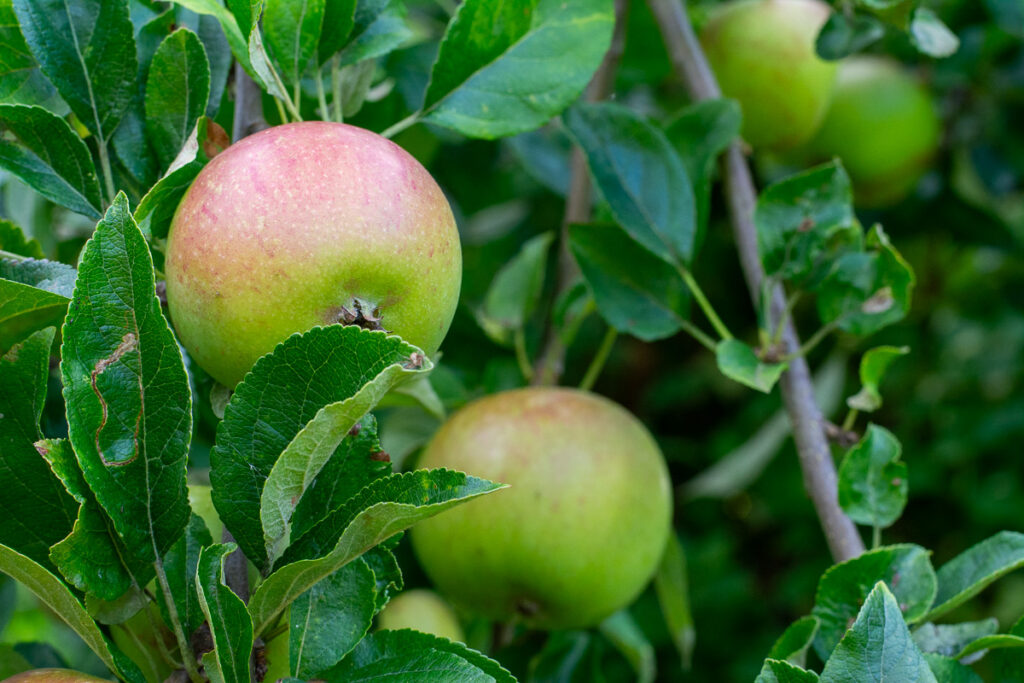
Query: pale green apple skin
x=762 y=53
x=582 y=526
x=421 y=610
x=884 y=126
x=285 y=227
x=200 y=497
x=53 y=676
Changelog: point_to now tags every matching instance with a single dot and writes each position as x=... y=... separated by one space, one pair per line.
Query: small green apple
x=309 y=224
x=200 y=498
x=421 y=610
x=763 y=55
x=582 y=526
x=275 y=653
x=883 y=125
x=54 y=676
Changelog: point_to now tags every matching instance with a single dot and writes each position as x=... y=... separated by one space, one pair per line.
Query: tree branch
x=551 y=362
x=797 y=391
x=248 y=106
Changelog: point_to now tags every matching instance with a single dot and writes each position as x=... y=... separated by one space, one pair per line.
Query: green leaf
x=41 y=149
x=1008 y=664
x=156 y=210
x=948 y=670
x=873 y=480
x=949 y=639
x=87 y=52
x=177 y=92
x=640 y=176
x=24 y=307
x=382 y=509
x=930 y=36
x=700 y=133
x=355 y=463
x=11 y=662
x=53 y=593
x=229 y=621
x=21 y=81
x=35 y=511
x=379 y=27
x=119 y=611
x=180 y=564
x=387 y=573
x=794 y=642
x=844 y=35
x=413 y=656
x=92 y=558
x=288 y=416
x=738 y=361
x=975 y=569
x=505 y=68
x=48 y=276
x=240 y=42
x=129 y=406
x=292 y=29
x=246 y=13
x=873 y=365
x=515 y=291
x=672 y=586
x=625 y=634
x=13 y=240
x=778 y=671
x=878 y=646
x=867 y=290
x=803 y=220
x=329 y=619
x=635 y=291
x=842 y=589
x=339 y=20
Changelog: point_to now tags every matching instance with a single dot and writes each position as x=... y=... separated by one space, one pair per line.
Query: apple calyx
x=363 y=314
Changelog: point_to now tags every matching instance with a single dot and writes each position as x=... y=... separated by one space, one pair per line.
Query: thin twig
x=551 y=362
x=797 y=391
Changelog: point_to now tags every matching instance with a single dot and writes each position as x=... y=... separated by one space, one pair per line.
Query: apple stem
x=321 y=96
x=597 y=364
x=705 y=305
x=805 y=415
x=397 y=128
x=336 y=88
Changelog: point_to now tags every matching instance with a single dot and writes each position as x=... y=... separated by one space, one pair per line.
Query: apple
x=421 y=610
x=582 y=526
x=276 y=655
x=54 y=676
x=309 y=224
x=200 y=498
x=884 y=126
x=762 y=53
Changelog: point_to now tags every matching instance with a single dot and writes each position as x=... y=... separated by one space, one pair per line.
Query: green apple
x=309 y=224
x=421 y=610
x=200 y=498
x=582 y=526
x=763 y=54
x=276 y=655
x=884 y=126
x=54 y=676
